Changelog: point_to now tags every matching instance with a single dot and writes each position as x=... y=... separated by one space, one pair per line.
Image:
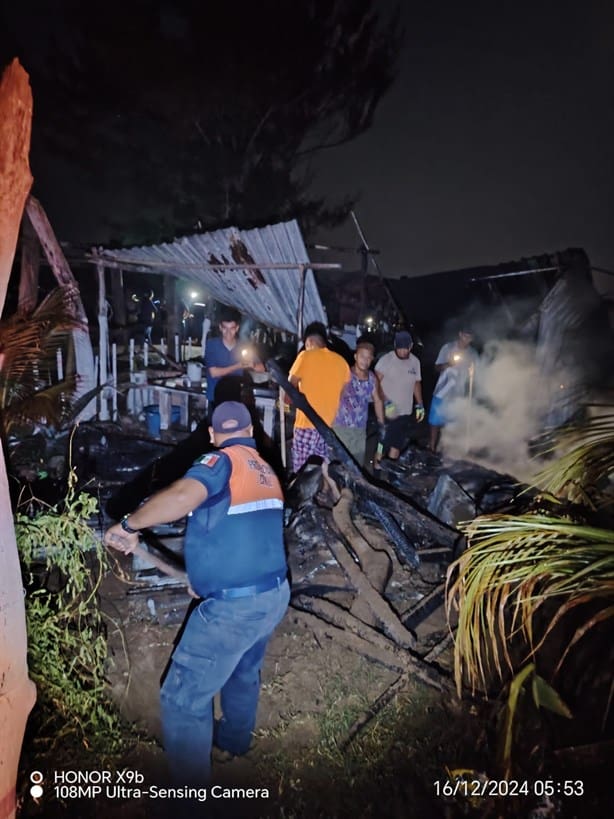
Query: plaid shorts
x=307 y=442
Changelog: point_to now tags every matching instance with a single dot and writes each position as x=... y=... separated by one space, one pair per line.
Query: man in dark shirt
x=224 y=356
x=236 y=564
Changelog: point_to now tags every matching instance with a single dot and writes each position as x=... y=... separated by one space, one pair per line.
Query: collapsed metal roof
x=267 y=287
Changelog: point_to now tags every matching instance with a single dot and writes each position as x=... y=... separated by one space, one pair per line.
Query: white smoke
x=504 y=411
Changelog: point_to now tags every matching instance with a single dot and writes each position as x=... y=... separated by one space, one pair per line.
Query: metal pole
x=301 y=304
x=469 y=409
x=173 y=264
x=367 y=250
x=282 y=426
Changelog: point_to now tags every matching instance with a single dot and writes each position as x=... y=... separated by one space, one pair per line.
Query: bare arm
x=418 y=392
x=169 y=504
x=442 y=362
x=220 y=372
x=378 y=403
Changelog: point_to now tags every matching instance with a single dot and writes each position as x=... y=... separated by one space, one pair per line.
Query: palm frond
x=585 y=456
x=51 y=405
x=29 y=342
x=581 y=632
x=513 y=565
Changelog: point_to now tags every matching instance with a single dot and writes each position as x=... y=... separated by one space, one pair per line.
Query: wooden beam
x=118 y=298
x=84 y=355
x=55 y=256
x=390 y=505
x=103 y=342
x=30 y=265
x=173 y=313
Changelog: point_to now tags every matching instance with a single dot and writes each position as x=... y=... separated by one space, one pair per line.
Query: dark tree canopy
x=156 y=118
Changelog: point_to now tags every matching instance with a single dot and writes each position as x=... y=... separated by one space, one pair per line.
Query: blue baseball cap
x=230 y=416
x=403 y=340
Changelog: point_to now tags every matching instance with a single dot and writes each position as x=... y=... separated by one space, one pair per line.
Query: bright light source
x=193 y=294
x=369 y=320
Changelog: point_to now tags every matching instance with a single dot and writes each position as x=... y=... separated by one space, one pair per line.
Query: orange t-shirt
x=322 y=375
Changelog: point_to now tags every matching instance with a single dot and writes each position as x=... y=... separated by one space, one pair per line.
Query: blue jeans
x=221 y=649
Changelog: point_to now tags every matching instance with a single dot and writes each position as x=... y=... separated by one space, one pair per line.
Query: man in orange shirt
x=321 y=376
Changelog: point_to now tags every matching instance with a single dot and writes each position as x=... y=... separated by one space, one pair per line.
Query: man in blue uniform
x=236 y=563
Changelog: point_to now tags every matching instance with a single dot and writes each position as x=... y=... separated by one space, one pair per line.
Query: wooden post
x=118 y=298
x=30 y=264
x=114 y=374
x=84 y=355
x=17 y=692
x=103 y=343
x=173 y=318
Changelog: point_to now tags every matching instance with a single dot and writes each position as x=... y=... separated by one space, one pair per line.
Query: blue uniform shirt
x=235 y=537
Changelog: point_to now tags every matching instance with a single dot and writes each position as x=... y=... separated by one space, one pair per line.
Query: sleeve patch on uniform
x=210 y=459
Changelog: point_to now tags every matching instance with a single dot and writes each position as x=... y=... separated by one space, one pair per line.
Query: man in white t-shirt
x=455 y=364
x=400 y=380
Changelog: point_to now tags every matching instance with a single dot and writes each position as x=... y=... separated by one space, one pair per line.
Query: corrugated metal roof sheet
x=564 y=313
x=267 y=294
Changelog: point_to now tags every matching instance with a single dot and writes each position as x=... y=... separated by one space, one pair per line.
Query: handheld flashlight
x=247 y=356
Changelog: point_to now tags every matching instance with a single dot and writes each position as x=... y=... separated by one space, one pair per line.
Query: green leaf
x=516 y=687
x=545 y=696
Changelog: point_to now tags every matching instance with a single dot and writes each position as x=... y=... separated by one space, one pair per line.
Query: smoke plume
x=505 y=409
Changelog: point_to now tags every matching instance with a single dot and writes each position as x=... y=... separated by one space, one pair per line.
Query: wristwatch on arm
x=124 y=524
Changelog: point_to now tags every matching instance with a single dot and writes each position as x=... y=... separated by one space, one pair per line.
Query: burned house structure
x=548 y=301
x=368 y=557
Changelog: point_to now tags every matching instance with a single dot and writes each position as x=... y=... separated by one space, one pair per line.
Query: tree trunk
x=17 y=692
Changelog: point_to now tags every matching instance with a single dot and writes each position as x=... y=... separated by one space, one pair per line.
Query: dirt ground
x=313 y=691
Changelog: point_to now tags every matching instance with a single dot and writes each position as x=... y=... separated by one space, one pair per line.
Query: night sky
x=496 y=142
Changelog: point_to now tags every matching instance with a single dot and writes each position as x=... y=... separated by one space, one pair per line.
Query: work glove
x=381 y=432
x=390 y=410
x=419 y=413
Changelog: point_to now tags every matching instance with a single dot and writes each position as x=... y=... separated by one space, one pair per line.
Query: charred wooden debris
x=368 y=558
